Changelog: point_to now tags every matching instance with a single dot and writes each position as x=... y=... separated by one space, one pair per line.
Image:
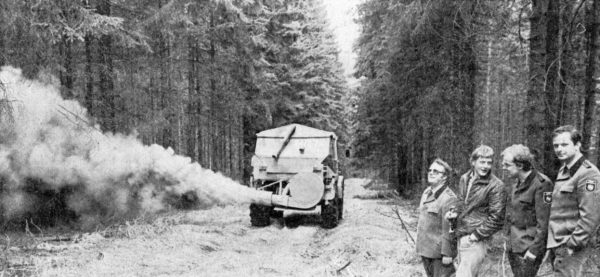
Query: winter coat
x=434 y=239
x=483 y=210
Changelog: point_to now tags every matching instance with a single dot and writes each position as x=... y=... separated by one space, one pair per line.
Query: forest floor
x=370 y=241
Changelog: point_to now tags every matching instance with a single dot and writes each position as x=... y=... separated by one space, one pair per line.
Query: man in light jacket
x=436 y=243
x=483 y=201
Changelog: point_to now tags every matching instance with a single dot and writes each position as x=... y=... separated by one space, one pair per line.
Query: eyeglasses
x=435 y=171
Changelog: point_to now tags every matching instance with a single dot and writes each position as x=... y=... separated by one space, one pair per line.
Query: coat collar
x=570 y=170
x=480 y=180
x=528 y=180
x=576 y=166
x=435 y=194
x=439 y=191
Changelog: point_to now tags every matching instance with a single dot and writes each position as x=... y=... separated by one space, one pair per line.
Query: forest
x=441 y=77
x=199 y=76
x=436 y=78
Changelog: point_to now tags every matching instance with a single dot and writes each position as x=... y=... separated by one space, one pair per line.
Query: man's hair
x=575 y=134
x=521 y=156
x=447 y=168
x=483 y=151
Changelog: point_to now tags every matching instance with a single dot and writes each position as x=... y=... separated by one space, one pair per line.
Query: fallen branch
x=27 y=230
x=395 y=209
x=38 y=228
x=344 y=267
x=56 y=239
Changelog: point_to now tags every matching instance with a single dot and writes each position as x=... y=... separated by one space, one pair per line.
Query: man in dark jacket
x=527 y=211
x=575 y=210
x=483 y=198
x=435 y=243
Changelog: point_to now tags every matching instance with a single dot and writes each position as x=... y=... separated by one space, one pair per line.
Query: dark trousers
x=435 y=268
x=524 y=267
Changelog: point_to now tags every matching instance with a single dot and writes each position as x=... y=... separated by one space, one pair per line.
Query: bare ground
x=370 y=241
x=220 y=242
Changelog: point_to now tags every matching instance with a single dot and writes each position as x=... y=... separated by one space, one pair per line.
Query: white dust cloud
x=48 y=149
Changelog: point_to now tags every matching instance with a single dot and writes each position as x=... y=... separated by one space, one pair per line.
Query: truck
x=296 y=171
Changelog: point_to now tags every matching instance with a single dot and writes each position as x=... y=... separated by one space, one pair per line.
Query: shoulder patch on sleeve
x=547 y=197
x=590 y=185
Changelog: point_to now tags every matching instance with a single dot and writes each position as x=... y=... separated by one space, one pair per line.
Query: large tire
x=341 y=208
x=260 y=215
x=341 y=201
x=329 y=215
x=292 y=221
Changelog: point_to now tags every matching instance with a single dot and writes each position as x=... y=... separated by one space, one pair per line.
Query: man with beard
x=575 y=209
x=435 y=243
x=527 y=211
x=483 y=199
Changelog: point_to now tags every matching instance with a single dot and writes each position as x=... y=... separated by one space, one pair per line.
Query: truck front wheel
x=341 y=208
x=329 y=214
x=260 y=215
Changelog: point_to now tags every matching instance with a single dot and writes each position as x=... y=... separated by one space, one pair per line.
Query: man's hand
x=529 y=256
x=451 y=214
x=570 y=251
x=564 y=251
x=446 y=260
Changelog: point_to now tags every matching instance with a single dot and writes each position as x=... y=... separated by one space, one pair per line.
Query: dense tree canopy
x=199 y=76
x=441 y=77
x=437 y=78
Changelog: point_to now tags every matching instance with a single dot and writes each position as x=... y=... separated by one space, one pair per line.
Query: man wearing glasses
x=436 y=243
x=483 y=202
x=527 y=211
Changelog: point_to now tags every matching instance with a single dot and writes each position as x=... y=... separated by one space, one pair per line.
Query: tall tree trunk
x=166 y=91
x=551 y=83
x=195 y=104
x=565 y=63
x=67 y=76
x=535 y=112
x=191 y=105
x=212 y=52
x=3 y=46
x=89 y=77
x=65 y=46
x=151 y=92
x=109 y=106
x=240 y=147
x=590 y=86
x=230 y=164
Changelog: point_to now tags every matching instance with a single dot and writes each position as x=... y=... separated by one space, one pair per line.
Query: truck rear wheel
x=260 y=215
x=341 y=208
x=329 y=214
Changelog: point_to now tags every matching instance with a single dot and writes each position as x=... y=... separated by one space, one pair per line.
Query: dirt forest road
x=221 y=242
